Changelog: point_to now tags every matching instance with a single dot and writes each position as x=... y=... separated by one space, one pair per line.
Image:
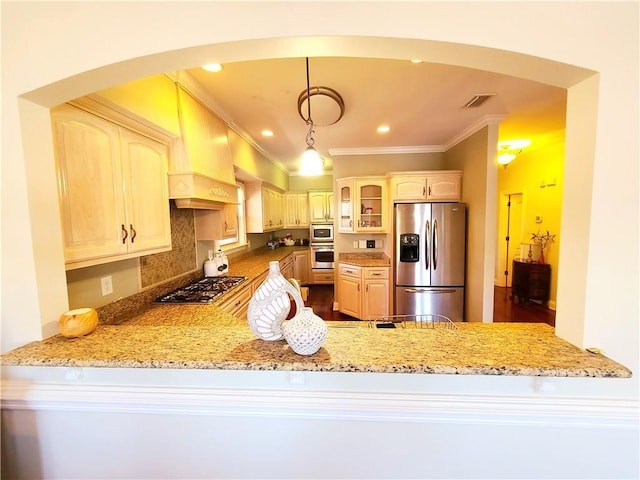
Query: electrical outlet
x=371 y=244
x=355 y=244
x=107 y=285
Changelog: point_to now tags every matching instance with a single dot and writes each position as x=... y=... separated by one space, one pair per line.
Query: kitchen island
x=191 y=387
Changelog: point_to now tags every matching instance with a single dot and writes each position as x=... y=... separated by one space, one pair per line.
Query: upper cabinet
x=217 y=224
x=265 y=208
x=320 y=206
x=429 y=186
x=112 y=185
x=296 y=206
x=203 y=172
x=363 y=205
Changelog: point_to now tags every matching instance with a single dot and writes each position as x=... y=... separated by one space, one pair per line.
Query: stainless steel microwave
x=321 y=233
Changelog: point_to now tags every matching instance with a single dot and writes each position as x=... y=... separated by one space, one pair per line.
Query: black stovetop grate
x=202 y=291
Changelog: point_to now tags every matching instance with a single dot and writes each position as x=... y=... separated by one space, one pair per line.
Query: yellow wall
x=152 y=98
x=538 y=176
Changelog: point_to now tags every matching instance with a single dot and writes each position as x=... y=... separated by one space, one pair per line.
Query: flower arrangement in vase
x=542 y=240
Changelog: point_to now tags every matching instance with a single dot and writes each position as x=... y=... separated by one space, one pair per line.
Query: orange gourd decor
x=79 y=322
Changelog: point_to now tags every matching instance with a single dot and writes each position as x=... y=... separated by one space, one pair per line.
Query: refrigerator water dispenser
x=409 y=247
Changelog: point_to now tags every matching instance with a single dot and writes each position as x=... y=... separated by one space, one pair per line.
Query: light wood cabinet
x=287 y=267
x=430 y=186
x=323 y=276
x=301 y=266
x=363 y=291
x=238 y=303
x=265 y=209
x=363 y=205
x=375 y=300
x=113 y=190
x=217 y=224
x=350 y=288
x=320 y=206
x=296 y=206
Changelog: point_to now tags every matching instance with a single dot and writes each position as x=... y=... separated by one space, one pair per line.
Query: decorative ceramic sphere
x=270 y=305
x=306 y=332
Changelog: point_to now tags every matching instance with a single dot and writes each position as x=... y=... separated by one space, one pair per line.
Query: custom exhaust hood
x=202 y=176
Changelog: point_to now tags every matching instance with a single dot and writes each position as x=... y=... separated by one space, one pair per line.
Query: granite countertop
x=472 y=349
x=365 y=259
x=206 y=337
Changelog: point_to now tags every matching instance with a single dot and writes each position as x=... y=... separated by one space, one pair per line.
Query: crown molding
x=473 y=128
x=467 y=132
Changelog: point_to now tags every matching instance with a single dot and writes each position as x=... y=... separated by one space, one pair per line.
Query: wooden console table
x=530 y=281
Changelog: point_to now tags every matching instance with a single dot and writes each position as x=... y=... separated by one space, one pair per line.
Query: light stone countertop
x=205 y=337
x=365 y=259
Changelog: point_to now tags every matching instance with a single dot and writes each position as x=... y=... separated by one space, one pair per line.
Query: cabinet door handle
x=358 y=287
x=376 y=274
x=424 y=191
x=133 y=232
x=429 y=191
x=226 y=226
x=367 y=289
x=125 y=234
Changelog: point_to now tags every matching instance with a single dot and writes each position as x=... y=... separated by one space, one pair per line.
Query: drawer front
x=322 y=278
x=350 y=270
x=376 y=273
x=238 y=302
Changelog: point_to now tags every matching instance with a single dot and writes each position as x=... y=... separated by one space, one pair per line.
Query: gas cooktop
x=202 y=291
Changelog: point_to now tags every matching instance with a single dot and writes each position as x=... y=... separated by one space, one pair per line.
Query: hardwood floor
x=505 y=309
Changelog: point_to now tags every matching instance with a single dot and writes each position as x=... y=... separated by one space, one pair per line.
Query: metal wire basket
x=425 y=320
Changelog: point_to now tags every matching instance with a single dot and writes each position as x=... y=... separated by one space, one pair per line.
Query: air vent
x=478 y=100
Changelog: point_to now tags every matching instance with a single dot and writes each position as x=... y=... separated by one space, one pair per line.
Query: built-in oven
x=321 y=233
x=322 y=256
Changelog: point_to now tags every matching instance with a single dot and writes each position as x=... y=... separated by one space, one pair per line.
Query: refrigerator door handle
x=427 y=233
x=429 y=290
x=434 y=244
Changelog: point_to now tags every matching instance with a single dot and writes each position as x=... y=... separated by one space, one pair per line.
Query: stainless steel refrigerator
x=429 y=257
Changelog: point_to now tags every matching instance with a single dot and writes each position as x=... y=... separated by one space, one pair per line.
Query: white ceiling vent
x=477 y=100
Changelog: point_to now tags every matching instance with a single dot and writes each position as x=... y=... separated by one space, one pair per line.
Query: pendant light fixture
x=332 y=110
x=312 y=163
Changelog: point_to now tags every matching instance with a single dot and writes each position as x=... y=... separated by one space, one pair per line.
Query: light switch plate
x=362 y=244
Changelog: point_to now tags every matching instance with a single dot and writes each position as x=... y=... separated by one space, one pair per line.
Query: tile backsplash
x=181 y=259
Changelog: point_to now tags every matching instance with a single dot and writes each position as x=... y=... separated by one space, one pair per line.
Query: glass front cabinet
x=362 y=204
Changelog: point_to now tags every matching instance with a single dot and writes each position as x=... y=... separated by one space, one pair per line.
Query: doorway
x=510 y=235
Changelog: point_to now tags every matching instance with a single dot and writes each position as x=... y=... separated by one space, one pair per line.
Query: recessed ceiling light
x=212 y=67
x=267 y=133
x=383 y=129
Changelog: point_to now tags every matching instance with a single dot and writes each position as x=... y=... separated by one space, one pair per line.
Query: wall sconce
x=509 y=150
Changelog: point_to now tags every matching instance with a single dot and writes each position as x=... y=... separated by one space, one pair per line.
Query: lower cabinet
x=301 y=266
x=363 y=292
x=350 y=291
x=238 y=304
x=286 y=267
x=376 y=293
x=322 y=276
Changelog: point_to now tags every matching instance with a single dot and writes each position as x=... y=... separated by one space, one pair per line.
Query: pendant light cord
x=310 y=133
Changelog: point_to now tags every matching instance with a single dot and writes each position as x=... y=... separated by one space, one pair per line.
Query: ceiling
x=422 y=103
